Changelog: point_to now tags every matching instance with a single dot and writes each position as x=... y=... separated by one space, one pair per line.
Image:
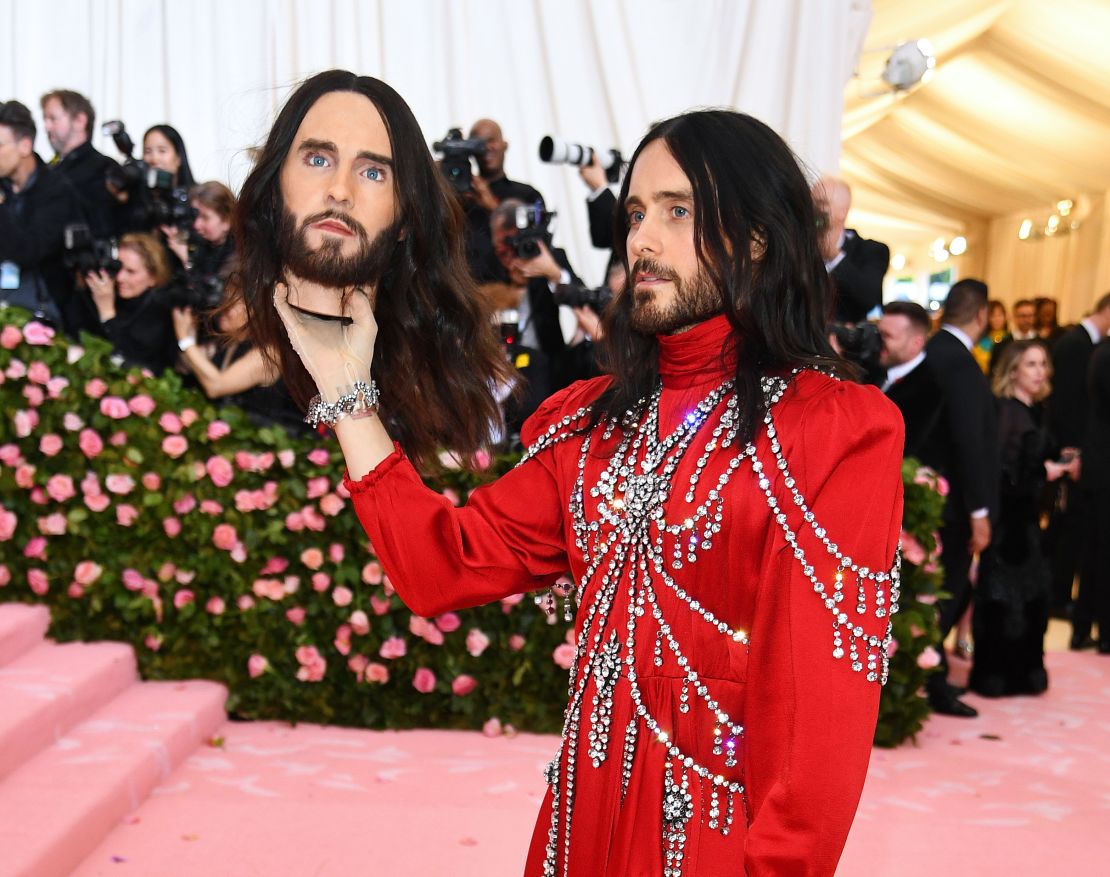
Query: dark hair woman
x=164 y=149
x=437 y=358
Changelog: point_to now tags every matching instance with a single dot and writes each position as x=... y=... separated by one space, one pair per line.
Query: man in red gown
x=729 y=510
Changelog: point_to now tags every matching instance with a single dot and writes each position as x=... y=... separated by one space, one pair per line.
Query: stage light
x=958 y=246
x=1026 y=229
x=909 y=64
x=898 y=261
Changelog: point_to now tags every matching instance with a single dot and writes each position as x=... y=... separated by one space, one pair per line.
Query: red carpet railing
x=139 y=511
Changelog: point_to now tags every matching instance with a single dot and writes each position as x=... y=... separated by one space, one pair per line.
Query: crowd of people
x=1014 y=411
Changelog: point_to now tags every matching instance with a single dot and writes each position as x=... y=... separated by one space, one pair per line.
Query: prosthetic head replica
x=345 y=194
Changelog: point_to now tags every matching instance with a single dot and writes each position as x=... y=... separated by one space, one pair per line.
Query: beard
x=327 y=265
x=695 y=300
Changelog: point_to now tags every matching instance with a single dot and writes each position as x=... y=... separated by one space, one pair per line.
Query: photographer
x=206 y=253
x=150 y=197
x=36 y=204
x=235 y=371
x=855 y=264
x=68 y=118
x=133 y=309
x=601 y=203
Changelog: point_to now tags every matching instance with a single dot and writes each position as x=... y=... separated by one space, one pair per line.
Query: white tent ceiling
x=1015 y=119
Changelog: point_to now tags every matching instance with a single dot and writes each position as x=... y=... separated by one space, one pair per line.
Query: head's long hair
x=750 y=196
x=436 y=358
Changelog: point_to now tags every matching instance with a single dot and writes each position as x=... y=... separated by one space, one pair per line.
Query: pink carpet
x=1025 y=789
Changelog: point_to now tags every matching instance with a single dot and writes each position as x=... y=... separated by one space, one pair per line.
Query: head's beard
x=326 y=264
x=694 y=301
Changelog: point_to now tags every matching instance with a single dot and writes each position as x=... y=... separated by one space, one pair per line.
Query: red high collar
x=704 y=355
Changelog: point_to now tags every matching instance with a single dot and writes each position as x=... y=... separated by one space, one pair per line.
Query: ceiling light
x=1064 y=207
x=898 y=261
x=1026 y=229
x=958 y=246
x=1052 y=225
x=909 y=64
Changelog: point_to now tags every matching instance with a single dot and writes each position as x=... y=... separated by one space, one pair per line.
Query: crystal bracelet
x=363 y=398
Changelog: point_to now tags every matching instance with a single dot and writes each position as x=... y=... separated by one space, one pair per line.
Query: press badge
x=9 y=275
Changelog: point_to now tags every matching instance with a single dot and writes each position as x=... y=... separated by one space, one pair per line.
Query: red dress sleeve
x=810 y=717
x=509 y=537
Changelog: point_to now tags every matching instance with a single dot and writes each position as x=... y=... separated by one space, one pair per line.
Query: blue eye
x=317 y=160
x=635 y=216
x=375 y=173
x=680 y=212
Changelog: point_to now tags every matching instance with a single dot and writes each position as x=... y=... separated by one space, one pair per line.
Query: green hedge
x=139 y=511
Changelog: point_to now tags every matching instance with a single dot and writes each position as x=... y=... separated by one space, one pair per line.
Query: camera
x=84 y=253
x=859 y=343
x=556 y=151
x=457 y=152
x=577 y=296
x=157 y=201
x=201 y=294
x=532 y=228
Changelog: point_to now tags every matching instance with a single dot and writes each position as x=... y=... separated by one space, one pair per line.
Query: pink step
x=59 y=806
x=22 y=626
x=49 y=689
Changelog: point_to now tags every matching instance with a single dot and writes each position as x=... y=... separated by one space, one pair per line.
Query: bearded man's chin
x=314 y=297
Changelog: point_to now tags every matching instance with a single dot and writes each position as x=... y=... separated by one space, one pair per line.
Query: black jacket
x=85 y=168
x=919 y=398
x=479 y=240
x=142 y=330
x=970 y=434
x=1067 y=407
x=1095 y=472
x=601 y=210
x=32 y=235
x=858 y=278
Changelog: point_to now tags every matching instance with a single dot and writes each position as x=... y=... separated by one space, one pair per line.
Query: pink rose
x=25 y=476
x=60 y=488
x=173 y=446
x=35 y=548
x=119 y=484
x=171 y=526
x=245 y=602
x=118 y=439
x=912 y=551
x=342 y=596
x=97 y=502
x=38 y=582
x=271 y=589
x=482 y=459
x=16 y=370
x=516 y=642
x=564 y=655
x=319 y=457
x=294 y=521
x=317 y=487
x=170 y=422
x=151 y=480
x=38 y=496
x=188 y=416
x=55 y=386
x=34 y=395
x=72 y=422
x=153 y=641
x=274 y=565
x=372 y=573
x=217 y=429
x=492 y=727
x=891 y=647
x=462 y=685
x=25 y=423
x=95 y=388
x=342 y=641
x=53 y=525
x=211 y=507
x=142 y=405
x=928 y=659
x=185 y=505
x=448 y=622
x=50 y=444
x=38 y=372
x=183 y=598
x=5 y=576
x=393 y=648
x=36 y=333
x=166 y=571
x=8 y=521
x=476 y=642
x=942 y=485
x=331 y=505
x=90 y=443
x=360 y=623
x=313 y=519
x=433 y=635
x=9 y=454
x=224 y=537
x=126 y=514
x=219 y=470
x=376 y=672
x=257 y=665
x=10 y=337
x=424 y=680
x=114 y=407
x=312 y=664
x=133 y=580
x=286 y=457
x=75 y=591
x=380 y=605
x=295 y=615
x=313 y=558
x=336 y=552
x=321 y=581
x=87 y=572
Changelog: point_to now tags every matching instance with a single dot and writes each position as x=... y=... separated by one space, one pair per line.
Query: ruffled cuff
x=370 y=480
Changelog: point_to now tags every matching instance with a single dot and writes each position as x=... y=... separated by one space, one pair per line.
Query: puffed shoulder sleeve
x=509 y=537
x=819 y=640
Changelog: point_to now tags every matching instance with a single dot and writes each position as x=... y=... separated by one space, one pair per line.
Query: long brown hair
x=748 y=187
x=436 y=359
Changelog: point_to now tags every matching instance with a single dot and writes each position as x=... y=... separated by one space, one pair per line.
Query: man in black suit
x=68 y=118
x=1067 y=410
x=1094 y=578
x=601 y=204
x=1024 y=314
x=855 y=264
x=970 y=463
x=904 y=328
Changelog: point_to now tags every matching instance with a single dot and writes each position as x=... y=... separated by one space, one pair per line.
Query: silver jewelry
x=363 y=397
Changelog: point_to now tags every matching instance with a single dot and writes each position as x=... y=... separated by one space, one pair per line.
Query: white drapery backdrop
x=593 y=72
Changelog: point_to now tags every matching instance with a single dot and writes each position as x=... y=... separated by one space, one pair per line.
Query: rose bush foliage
x=139 y=511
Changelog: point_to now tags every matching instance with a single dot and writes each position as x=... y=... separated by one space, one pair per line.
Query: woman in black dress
x=1011 y=599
